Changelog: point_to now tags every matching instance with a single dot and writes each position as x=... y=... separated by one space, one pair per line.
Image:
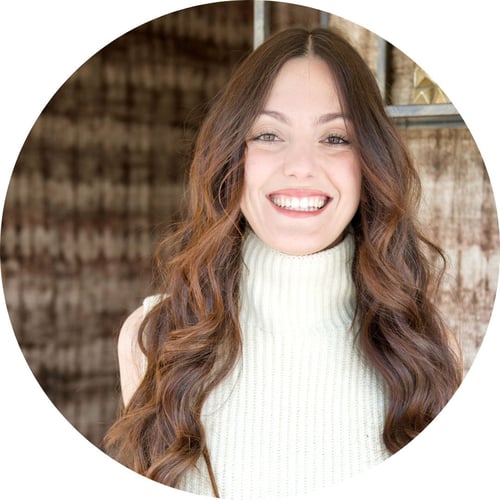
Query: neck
x=290 y=293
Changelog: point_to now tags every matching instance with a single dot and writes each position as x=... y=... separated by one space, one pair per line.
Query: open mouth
x=299 y=204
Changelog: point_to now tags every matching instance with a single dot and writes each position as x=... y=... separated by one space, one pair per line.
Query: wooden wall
x=98 y=180
x=458 y=212
x=102 y=172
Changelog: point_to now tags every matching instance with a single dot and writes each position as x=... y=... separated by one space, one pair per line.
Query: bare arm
x=130 y=357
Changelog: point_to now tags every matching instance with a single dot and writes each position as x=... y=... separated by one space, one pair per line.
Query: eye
x=336 y=139
x=267 y=137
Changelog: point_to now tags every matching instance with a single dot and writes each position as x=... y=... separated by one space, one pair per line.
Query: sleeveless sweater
x=302 y=410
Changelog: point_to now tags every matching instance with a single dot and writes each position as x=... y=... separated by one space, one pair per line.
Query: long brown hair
x=192 y=339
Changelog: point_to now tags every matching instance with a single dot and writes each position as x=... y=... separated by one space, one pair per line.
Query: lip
x=299 y=193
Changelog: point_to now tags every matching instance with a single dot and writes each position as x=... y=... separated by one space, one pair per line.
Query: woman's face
x=302 y=177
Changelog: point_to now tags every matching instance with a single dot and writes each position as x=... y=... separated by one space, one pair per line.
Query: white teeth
x=306 y=204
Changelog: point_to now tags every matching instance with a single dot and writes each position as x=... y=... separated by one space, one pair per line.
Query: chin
x=297 y=248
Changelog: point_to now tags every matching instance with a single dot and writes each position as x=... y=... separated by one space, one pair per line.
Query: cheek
x=356 y=179
x=251 y=184
x=348 y=178
x=257 y=168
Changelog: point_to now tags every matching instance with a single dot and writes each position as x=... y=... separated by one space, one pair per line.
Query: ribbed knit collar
x=282 y=292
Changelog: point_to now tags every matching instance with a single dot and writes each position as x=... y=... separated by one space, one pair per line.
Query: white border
x=43 y=43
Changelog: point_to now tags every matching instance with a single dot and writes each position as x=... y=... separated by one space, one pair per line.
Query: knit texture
x=302 y=410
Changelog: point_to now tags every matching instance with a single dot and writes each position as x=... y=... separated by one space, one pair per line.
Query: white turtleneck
x=302 y=410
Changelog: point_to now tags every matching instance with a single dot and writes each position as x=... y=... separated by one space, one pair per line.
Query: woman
x=293 y=342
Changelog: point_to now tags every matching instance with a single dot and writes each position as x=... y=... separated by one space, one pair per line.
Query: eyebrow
x=327 y=117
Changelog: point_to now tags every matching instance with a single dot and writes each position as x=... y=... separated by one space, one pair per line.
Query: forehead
x=306 y=80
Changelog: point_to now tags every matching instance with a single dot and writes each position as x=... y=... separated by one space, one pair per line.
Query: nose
x=299 y=161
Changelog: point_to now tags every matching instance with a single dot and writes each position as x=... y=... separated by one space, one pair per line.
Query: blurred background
x=101 y=176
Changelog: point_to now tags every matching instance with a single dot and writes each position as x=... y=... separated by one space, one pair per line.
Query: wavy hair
x=192 y=338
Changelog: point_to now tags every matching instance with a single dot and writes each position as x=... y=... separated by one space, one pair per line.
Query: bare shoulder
x=129 y=332
x=130 y=356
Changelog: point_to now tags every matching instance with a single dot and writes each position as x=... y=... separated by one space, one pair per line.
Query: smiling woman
x=293 y=342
